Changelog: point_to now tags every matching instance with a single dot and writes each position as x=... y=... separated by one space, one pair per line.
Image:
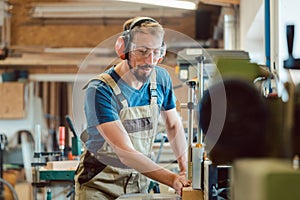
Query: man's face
x=145 y=51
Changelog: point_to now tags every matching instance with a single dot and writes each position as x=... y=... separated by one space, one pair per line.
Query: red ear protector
x=163 y=52
x=122 y=43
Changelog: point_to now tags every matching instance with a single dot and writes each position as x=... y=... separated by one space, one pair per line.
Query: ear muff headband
x=123 y=41
x=139 y=21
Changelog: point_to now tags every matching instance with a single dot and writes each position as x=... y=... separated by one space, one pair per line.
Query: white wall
x=284 y=12
x=252 y=31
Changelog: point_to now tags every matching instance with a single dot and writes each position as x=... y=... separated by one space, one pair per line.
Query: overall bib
x=95 y=180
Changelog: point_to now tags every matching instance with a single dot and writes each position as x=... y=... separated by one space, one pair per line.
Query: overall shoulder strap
x=153 y=87
x=106 y=78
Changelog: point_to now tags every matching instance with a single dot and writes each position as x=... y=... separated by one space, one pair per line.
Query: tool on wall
x=3 y=144
x=62 y=138
x=291 y=62
x=76 y=143
x=5 y=25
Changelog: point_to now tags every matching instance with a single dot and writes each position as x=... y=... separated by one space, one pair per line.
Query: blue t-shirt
x=101 y=104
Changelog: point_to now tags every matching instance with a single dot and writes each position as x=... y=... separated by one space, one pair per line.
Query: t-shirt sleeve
x=100 y=106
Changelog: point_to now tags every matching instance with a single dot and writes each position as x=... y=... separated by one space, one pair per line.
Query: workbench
x=59 y=183
x=57 y=178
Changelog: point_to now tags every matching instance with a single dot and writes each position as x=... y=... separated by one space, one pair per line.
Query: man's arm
x=176 y=137
x=117 y=137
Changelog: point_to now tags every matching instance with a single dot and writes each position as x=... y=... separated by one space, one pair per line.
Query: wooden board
x=62 y=165
x=188 y=193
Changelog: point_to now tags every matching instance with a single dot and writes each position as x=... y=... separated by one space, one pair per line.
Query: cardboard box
x=12 y=104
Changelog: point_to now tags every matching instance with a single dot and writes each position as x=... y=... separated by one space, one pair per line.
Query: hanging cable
x=15 y=195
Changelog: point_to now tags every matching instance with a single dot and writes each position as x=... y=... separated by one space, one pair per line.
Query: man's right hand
x=180 y=182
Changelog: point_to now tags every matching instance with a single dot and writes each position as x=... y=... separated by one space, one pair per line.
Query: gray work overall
x=99 y=181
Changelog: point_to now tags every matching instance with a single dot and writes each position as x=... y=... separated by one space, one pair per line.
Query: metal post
x=197 y=152
x=200 y=77
x=190 y=106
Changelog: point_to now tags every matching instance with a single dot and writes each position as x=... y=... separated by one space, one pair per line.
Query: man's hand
x=179 y=183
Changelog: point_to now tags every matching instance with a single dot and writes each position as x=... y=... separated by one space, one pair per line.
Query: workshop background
x=45 y=42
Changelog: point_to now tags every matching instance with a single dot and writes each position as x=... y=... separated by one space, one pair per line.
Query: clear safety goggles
x=144 y=52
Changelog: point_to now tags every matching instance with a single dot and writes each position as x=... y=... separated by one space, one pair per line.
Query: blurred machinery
x=187 y=61
x=267 y=179
x=253 y=108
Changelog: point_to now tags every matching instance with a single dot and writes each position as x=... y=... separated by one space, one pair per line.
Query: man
x=122 y=106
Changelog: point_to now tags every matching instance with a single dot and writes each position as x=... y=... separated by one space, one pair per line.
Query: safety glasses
x=144 y=52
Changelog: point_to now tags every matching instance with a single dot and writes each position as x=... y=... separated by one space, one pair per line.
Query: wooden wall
x=39 y=33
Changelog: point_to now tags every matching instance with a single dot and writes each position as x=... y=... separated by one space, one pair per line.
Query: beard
x=142 y=72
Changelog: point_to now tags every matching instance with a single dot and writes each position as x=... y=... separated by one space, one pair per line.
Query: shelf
x=221 y=2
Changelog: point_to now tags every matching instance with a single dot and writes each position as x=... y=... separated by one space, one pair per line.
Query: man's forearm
x=182 y=163
x=146 y=166
x=179 y=146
